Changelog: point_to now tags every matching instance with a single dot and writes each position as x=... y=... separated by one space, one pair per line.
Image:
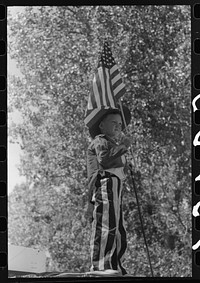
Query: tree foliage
x=56 y=51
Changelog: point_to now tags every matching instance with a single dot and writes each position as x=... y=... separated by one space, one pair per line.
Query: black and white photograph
x=99 y=141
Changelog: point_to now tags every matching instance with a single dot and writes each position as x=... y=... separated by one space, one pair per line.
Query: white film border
x=194 y=102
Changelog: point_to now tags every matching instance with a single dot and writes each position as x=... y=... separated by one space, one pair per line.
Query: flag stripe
x=118 y=89
x=90 y=106
x=96 y=92
x=92 y=98
x=109 y=90
x=101 y=76
x=91 y=115
x=98 y=76
x=118 y=83
x=113 y=69
x=116 y=79
x=119 y=92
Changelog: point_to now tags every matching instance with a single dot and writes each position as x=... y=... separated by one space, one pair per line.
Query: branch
x=69 y=9
x=63 y=154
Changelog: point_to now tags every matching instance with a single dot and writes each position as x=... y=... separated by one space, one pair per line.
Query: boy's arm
x=106 y=154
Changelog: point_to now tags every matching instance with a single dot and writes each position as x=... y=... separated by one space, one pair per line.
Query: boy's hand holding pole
x=126 y=140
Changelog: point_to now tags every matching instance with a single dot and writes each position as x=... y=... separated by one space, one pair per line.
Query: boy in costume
x=105 y=166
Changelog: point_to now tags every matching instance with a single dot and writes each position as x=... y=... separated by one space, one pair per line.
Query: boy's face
x=111 y=125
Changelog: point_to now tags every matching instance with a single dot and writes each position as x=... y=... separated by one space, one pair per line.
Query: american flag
x=107 y=87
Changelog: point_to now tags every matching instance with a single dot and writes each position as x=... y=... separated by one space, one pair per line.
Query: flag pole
x=124 y=120
x=136 y=196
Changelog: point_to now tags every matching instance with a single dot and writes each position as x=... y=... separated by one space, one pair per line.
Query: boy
x=105 y=165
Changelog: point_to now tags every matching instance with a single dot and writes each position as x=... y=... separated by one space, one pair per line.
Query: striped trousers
x=108 y=240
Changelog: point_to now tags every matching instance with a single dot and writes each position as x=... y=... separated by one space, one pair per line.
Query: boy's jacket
x=103 y=153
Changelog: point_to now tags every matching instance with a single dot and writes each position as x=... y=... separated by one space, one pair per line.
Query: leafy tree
x=56 y=50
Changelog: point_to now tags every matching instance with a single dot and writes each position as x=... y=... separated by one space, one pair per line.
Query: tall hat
x=94 y=130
